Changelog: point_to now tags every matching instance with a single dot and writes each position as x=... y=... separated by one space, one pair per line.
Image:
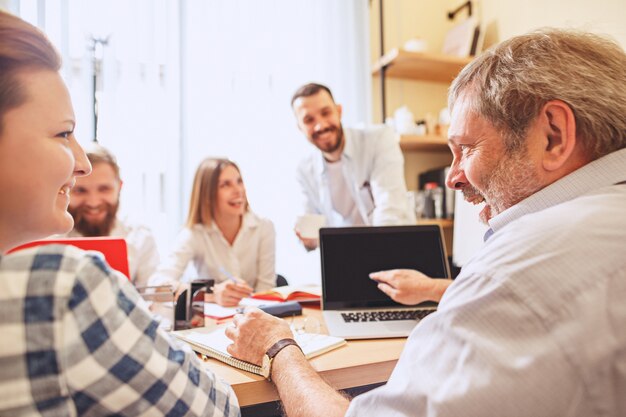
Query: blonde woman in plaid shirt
x=74 y=340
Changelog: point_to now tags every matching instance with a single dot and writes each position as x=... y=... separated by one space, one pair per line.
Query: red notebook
x=113 y=249
x=306 y=293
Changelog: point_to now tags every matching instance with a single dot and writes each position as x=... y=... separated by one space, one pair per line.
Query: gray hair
x=509 y=84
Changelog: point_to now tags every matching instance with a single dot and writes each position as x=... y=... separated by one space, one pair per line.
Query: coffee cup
x=308 y=225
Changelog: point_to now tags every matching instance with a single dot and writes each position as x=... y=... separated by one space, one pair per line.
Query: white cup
x=308 y=225
x=416 y=45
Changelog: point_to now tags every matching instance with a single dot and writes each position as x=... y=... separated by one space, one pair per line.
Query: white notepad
x=213 y=343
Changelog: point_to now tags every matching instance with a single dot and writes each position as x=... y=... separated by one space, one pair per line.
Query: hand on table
x=254 y=332
x=229 y=293
x=410 y=287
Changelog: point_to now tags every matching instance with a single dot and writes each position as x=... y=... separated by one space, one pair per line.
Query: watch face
x=266 y=366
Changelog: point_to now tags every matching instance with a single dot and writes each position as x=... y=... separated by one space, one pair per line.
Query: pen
x=228 y=274
x=239 y=283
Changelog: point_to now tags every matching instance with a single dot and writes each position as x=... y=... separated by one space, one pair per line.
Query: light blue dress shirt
x=535 y=324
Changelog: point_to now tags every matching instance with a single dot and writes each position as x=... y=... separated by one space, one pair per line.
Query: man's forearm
x=301 y=389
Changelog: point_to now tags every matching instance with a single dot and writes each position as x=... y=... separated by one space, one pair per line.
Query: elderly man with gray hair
x=534 y=324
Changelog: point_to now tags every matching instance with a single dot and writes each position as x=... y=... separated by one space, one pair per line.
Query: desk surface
x=360 y=362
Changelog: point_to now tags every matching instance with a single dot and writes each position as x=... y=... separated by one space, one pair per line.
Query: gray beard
x=511 y=181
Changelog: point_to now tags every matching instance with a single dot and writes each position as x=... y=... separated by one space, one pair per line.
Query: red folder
x=113 y=249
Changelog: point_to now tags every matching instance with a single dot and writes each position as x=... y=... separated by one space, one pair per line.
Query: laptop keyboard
x=391 y=315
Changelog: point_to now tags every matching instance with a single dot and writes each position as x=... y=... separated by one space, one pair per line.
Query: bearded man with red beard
x=94 y=205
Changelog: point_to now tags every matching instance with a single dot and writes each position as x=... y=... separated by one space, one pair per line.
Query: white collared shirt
x=373 y=167
x=251 y=256
x=535 y=324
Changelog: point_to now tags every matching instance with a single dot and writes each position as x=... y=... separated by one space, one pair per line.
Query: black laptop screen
x=350 y=254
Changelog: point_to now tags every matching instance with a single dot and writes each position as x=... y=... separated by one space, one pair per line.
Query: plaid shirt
x=74 y=342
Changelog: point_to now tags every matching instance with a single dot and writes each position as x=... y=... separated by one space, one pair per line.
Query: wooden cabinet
x=428 y=151
x=419 y=66
x=422 y=66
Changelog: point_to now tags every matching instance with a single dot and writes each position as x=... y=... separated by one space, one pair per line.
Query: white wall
x=507 y=18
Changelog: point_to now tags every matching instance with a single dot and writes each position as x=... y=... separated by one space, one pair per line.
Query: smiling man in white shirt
x=358 y=177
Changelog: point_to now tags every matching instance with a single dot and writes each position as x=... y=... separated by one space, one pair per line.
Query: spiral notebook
x=212 y=342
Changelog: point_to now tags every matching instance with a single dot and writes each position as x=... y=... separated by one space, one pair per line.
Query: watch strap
x=280 y=345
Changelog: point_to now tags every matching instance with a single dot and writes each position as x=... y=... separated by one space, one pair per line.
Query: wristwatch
x=268 y=358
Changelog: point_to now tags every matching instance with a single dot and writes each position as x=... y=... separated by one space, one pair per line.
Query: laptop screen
x=350 y=254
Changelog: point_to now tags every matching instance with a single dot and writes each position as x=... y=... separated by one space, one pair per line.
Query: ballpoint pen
x=228 y=275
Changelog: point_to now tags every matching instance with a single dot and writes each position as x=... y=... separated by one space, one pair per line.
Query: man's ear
x=339 y=110
x=559 y=127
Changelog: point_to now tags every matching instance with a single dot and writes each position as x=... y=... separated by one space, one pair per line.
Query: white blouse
x=251 y=257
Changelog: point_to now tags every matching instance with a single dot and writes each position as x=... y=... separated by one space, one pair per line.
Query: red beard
x=89 y=229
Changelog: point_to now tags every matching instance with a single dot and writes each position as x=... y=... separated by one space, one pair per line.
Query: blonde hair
x=204 y=191
x=23 y=47
x=509 y=84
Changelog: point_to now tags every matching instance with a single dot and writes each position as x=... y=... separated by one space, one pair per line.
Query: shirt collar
x=249 y=221
x=348 y=148
x=605 y=171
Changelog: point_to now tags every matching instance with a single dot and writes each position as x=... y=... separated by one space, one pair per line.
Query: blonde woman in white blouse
x=224 y=239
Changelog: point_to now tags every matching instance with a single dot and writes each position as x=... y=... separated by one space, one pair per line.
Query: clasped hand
x=253 y=333
x=229 y=293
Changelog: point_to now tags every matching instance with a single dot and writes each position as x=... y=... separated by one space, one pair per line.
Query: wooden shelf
x=444 y=223
x=428 y=143
x=420 y=66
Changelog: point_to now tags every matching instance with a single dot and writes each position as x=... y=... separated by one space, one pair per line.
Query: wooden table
x=359 y=363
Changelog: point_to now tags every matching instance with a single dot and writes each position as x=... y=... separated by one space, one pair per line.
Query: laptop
x=352 y=305
x=114 y=249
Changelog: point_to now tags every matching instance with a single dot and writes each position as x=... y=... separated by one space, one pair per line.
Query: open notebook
x=213 y=343
x=307 y=293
